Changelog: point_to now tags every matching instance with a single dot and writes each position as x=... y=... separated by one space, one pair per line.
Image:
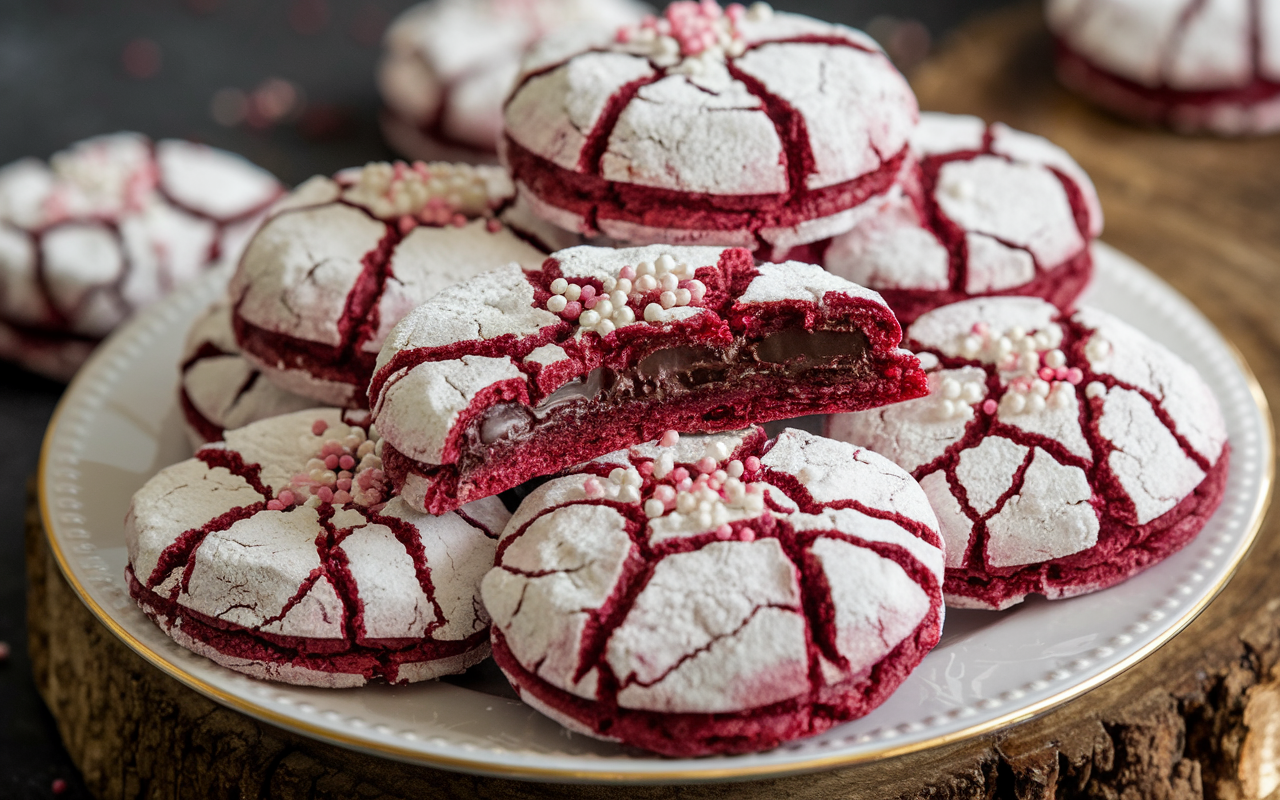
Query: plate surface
x=119 y=423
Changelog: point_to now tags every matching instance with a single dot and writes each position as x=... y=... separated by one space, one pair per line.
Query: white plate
x=119 y=423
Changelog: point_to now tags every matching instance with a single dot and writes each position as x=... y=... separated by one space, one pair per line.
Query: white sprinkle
x=663 y=466
x=972 y=393
x=1017 y=333
x=573 y=292
x=683 y=297
x=619 y=299
x=629 y=494
x=928 y=361
x=632 y=478
x=618 y=475
x=717 y=450
x=1055 y=358
x=1016 y=402
x=624 y=316
x=1097 y=349
x=665 y=263
x=971 y=346
x=559 y=285
x=947 y=409
x=646 y=283
x=623 y=285
x=603 y=307
x=588 y=319
x=1003 y=346
x=1035 y=403
x=1095 y=389
x=652 y=312
x=654 y=508
x=644 y=268
x=556 y=303
x=950 y=388
x=1040 y=388
x=734 y=468
x=667 y=299
x=686 y=502
x=609 y=283
x=1061 y=397
x=605 y=327
x=697 y=290
x=669 y=282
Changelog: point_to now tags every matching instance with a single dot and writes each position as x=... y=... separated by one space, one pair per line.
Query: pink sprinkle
x=287 y=497
x=981 y=328
x=679 y=474
x=332 y=448
x=59 y=786
x=325 y=494
x=1022 y=384
x=714 y=485
x=341 y=496
x=378 y=475
x=407 y=223
x=697 y=290
x=669 y=439
x=400 y=169
x=301 y=479
x=664 y=493
x=747 y=535
x=588 y=294
x=1061 y=373
x=707 y=464
x=377 y=507
x=493 y=225
x=735 y=12
x=624 y=35
x=4 y=652
x=1075 y=376
x=422 y=169
x=752 y=463
x=724 y=532
x=628 y=272
x=346 y=462
x=459 y=220
x=344 y=484
x=571 y=311
x=319 y=427
x=990 y=406
x=1046 y=373
x=591 y=302
x=684 y=484
x=275 y=505
x=331 y=462
x=592 y=487
x=1010 y=362
x=645 y=468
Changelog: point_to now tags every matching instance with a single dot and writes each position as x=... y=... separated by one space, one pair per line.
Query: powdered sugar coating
x=342 y=260
x=598 y=339
x=108 y=226
x=328 y=593
x=1194 y=66
x=796 y=594
x=983 y=210
x=1062 y=454
x=218 y=389
x=653 y=135
x=447 y=64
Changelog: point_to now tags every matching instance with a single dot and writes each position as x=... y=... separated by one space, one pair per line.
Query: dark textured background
x=75 y=68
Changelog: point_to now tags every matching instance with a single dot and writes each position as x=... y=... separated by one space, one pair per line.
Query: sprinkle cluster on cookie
x=717 y=593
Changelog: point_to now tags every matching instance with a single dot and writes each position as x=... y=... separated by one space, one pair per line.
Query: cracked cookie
x=735 y=127
x=717 y=594
x=110 y=225
x=1062 y=453
x=983 y=210
x=342 y=259
x=517 y=374
x=1193 y=66
x=281 y=554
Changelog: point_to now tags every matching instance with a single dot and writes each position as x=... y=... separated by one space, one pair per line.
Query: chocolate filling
x=667 y=374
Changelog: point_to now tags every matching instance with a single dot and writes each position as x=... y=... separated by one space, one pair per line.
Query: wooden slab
x=1197 y=719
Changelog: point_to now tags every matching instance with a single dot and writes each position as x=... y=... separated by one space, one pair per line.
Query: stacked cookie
x=594 y=332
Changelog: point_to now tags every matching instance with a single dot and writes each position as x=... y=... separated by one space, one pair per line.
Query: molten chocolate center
x=681 y=370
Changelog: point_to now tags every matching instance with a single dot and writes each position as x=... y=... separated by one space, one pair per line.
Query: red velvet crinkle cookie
x=277 y=554
x=518 y=374
x=985 y=210
x=341 y=260
x=218 y=389
x=448 y=64
x=1191 y=65
x=722 y=594
x=110 y=225
x=740 y=127
x=1063 y=454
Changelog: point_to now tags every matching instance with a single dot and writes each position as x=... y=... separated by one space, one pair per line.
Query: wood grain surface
x=1199 y=718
